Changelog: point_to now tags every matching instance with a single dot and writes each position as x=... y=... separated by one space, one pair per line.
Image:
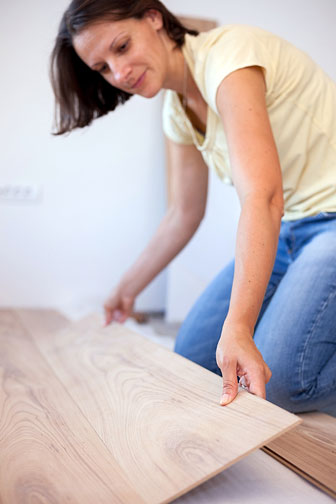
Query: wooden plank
x=310 y=450
x=49 y=453
x=256 y=479
x=157 y=412
x=301 y=473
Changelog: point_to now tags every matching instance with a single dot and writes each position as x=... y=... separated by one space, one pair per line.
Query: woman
x=262 y=114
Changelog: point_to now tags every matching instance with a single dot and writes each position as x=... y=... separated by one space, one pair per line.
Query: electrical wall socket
x=20 y=193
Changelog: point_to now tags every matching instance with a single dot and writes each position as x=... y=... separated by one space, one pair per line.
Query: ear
x=154 y=17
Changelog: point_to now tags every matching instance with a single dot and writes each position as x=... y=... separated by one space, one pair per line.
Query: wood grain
x=156 y=412
x=49 y=453
x=310 y=450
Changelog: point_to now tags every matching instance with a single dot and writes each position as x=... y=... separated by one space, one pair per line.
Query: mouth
x=139 y=81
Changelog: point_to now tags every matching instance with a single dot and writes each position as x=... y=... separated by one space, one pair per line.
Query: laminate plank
x=301 y=473
x=49 y=453
x=310 y=450
x=157 y=412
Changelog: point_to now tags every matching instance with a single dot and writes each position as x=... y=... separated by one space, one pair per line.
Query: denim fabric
x=296 y=328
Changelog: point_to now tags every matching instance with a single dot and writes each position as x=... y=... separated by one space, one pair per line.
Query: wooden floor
x=257 y=479
x=93 y=415
x=310 y=450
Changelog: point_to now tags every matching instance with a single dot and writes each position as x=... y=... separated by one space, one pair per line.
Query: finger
x=230 y=383
x=257 y=382
x=108 y=317
x=268 y=373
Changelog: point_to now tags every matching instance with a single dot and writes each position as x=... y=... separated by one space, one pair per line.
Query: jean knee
x=287 y=391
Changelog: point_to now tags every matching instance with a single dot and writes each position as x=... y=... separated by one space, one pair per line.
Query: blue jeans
x=296 y=328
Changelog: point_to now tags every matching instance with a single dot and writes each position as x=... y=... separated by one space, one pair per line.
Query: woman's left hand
x=237 y=355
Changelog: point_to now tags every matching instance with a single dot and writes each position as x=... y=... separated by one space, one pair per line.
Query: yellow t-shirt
x=301 y=102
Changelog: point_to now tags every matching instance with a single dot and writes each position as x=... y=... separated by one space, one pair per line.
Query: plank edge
x=299 y=471
x=229 y=464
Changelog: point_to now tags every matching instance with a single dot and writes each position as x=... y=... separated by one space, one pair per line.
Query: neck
x=179 y=77
x=175 y=71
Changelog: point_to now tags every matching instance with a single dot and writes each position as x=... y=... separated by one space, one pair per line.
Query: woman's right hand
x=118 y=307
x=237 y=355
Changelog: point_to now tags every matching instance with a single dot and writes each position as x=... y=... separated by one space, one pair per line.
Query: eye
x=123 y=47
x=103 y=69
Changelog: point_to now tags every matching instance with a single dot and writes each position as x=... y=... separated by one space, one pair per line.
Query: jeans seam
x=319 y=314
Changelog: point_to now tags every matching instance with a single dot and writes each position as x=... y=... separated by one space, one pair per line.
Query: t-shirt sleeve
x=238 y=47
x=173 y=122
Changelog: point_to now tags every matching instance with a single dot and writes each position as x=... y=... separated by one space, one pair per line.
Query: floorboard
x=49 y=452
x=310 y=450
x=157 y=413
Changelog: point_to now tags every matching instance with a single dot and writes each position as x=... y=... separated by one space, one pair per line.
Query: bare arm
x=257 y=178
x=189 y=184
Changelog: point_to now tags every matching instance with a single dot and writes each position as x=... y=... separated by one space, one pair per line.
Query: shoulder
x=219 y=52
x=237 y=34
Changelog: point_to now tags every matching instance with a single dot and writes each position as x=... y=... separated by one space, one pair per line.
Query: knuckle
x=268 y=374
x=259 y=369
x=225 y=361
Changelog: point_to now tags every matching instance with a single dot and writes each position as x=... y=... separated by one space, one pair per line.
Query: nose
x=121 y=72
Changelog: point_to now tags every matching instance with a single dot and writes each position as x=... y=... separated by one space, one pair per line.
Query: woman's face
x=131 y=54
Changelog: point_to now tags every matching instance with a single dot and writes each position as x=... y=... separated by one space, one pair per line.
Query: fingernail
x=224 y=399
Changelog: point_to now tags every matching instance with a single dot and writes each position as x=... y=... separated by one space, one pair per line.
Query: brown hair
x=82 y=94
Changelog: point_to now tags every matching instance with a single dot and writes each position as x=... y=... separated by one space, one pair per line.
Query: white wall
x=103 y=188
